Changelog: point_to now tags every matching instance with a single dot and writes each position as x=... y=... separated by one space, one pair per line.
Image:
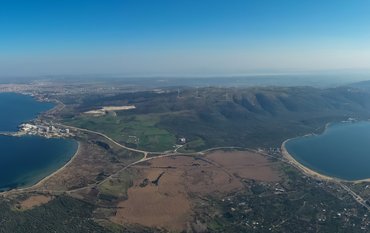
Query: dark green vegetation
x=207 y=117
x=114 y=189
x=211 y=117
x=299 y=204
x=134 y=131
x=61 y=215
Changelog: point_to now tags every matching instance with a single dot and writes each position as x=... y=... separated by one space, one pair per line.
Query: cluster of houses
x=44 y=130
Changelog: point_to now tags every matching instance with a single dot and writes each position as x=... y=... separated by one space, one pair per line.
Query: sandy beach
x=311 y=172
x=43 y=181
x=303 y=168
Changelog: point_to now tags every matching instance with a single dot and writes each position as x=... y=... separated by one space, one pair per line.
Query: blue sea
x=342 y=151
x=26 y=160
x=16 y=109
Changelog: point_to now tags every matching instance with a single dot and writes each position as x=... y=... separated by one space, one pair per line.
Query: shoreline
x=41 y=182
x=301 y=167
x=308 y=171
x=58 y=105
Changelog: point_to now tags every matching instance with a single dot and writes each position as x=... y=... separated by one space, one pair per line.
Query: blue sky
x=183 y=37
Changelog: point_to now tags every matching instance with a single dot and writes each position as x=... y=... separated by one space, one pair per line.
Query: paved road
x=145 y=158
x=357 y=197
x=108 y=138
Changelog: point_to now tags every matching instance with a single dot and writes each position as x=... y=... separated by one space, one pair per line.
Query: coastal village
x=48 y=131
x=248 y=211
x=43 y=130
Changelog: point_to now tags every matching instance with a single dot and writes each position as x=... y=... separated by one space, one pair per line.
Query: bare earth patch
x=166 y=205
x=89 y=162
x=246 y=165
x=164 y=190
x=102 y=111
x=34 y=201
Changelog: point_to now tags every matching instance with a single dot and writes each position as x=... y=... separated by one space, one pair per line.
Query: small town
x=48 y=131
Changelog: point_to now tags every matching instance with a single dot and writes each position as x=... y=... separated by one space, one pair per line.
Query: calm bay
x=26 y=160
x=342 y=151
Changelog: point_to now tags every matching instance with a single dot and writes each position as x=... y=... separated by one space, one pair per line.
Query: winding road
x=174 y=152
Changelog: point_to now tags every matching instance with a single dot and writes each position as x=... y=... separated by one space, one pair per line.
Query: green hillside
x=209 y=117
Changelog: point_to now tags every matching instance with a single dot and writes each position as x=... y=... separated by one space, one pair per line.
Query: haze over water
x=342 y=151
x=26 y=160
x=16 y=109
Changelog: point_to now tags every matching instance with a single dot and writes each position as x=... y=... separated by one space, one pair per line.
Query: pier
x=9 y=133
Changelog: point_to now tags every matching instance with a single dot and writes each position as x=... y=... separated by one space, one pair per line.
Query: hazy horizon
x=187 y=38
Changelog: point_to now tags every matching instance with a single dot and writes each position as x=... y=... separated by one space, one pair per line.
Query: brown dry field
x=34 y=201
x=166 y=205
x=247 y=165
x=169 y=205
x=89 y=162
